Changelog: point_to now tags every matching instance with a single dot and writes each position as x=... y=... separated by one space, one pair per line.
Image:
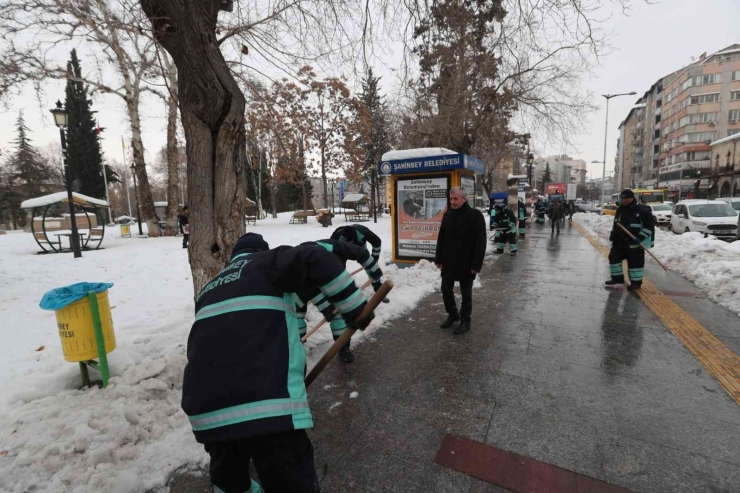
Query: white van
x=710 y=217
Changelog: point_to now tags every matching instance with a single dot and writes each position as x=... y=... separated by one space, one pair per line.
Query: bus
x=645 y=196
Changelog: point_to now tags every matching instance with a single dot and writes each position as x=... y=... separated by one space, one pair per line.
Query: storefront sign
x=420 y=204
x=431 y=164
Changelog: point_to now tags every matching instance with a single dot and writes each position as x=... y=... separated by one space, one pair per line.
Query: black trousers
x=448 y=295
x=185 y=239
x=635 y=257
x=555 y=224
x=284 y=463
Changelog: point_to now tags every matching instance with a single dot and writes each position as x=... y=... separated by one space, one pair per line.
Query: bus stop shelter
x=420 y=183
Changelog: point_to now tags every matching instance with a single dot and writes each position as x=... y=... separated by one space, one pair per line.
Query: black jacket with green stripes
x=359 y=235
x=246 y=362
x=637 y=219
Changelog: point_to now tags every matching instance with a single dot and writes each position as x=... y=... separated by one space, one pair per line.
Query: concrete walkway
x=556 y=369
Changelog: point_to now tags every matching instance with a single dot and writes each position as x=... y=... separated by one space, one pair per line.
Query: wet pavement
x=556 y=368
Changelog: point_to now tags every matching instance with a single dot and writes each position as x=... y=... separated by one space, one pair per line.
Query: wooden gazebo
x=52 y=225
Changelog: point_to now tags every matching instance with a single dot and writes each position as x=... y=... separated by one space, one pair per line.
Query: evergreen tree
x=83 y=146
x=546 y=177
x=376 y=135
x=29 y=175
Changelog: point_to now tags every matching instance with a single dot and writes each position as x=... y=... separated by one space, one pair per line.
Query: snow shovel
x=320 y=324
x=643 y=247
x=377 y=298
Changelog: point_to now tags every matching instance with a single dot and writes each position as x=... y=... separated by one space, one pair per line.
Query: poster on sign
x=468 y=183
x=422 y=201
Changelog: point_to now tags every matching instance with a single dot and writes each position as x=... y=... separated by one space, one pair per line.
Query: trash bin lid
x=60 y=297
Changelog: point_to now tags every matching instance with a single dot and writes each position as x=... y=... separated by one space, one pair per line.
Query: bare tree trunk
x=172 y=150
x=304 y=189
x=258 y=190
x=323 y=173
x=212 y=110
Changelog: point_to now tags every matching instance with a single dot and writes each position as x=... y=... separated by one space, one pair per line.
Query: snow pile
x=131 y=436
x=59 y=197
x=712 y=264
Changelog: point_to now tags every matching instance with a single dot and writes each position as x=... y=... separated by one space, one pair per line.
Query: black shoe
x=346 y=354
x=498 y=252
x=612 y=282
x=463 y=327
x=386 y=300
x=634 y=285
x=512 y=253
x=451 y=319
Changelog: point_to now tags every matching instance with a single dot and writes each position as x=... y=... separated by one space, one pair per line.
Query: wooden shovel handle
x=377 y=298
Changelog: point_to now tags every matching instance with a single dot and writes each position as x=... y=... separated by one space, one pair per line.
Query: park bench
x=251 y=219
x=299 y=217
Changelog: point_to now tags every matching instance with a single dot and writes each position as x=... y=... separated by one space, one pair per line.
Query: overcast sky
x=650 y=42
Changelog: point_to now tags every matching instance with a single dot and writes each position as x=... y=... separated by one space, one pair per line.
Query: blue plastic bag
x=61 y=297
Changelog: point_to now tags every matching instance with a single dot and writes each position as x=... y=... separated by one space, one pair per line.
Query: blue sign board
x=429 y=164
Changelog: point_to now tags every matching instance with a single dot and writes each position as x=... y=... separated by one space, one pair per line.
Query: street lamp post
x=136 y=193
x=530 y=161
x=60 y=120
x=606 y=132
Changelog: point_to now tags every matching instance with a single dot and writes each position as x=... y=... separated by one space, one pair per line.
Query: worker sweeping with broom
x=633 y=225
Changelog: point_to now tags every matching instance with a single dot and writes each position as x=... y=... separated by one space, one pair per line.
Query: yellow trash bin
x=75 y=323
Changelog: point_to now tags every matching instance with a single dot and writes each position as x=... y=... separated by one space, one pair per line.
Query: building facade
x=664 y=142
x=724 y=173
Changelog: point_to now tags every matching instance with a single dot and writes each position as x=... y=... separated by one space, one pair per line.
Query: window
x=701 y=80
x=712 y=210
x=735 y=96
x=704 y=98
x=697 y=137
x=736 y=75
x=734 y=115
x=697 y=155
x=698 y=118
x=732 y=132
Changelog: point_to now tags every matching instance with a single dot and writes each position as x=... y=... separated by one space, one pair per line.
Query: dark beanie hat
x=627 y=194
x=250 y=243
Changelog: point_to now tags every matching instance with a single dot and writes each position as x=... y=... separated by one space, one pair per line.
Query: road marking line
x=723 y=364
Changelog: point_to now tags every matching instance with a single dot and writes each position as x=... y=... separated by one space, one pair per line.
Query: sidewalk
x=556 y=368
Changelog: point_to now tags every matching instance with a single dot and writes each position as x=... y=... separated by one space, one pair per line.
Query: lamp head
x=60 y=116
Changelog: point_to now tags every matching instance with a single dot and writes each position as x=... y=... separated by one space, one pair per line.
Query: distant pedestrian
x=541 y=208
x=504 y=222
x=461 y=245
x=184 y=219
x=638 y=220
x=556 y=214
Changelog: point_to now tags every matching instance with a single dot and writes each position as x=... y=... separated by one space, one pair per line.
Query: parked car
x=735 y=204
x=610 y=210
x=584 y=207
x=661 y=213
x=710 y=217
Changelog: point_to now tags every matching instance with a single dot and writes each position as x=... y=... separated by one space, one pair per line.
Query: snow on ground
x=131 y=436
x=712 y=264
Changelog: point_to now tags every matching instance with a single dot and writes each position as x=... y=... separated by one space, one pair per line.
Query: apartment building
x=701 y=104
x=664 y=141
x=563 y=169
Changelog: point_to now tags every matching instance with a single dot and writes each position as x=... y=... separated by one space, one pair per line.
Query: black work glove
x=376 y=286
x=362 y=324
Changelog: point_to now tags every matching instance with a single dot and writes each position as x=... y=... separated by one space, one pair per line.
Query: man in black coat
x=461 y=245
x=556 y=214
x=184 y=219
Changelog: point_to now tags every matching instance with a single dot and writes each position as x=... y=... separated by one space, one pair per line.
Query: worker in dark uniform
x=637 y=220
x=359 y=235
x=243 y=387
x=541 y=209
x=505 y=223
x=345 y=251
